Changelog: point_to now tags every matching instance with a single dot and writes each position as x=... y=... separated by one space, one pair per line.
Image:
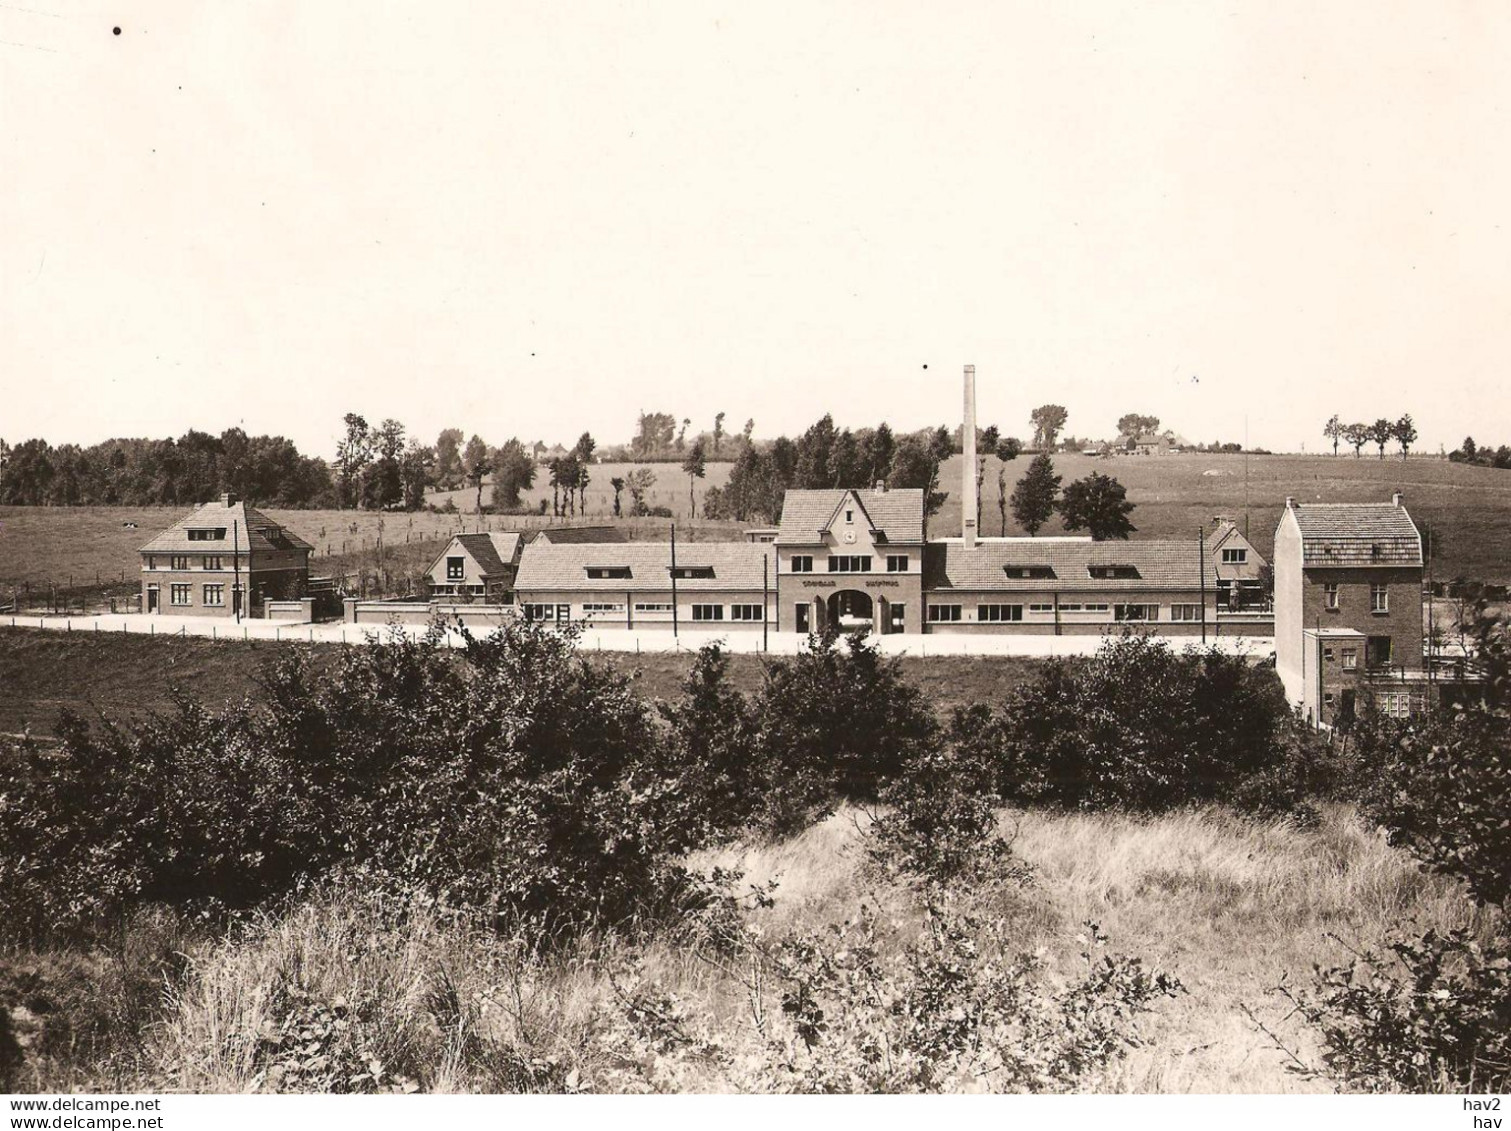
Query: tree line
x=1470 y=452
x=1380 y=433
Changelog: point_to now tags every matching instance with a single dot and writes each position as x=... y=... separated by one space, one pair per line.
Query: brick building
x=224 y=559
x=1348 y=608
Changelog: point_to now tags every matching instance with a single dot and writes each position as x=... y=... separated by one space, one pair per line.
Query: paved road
x=603 y=640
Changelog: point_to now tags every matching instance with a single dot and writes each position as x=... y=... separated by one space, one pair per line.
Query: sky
x=535 y=219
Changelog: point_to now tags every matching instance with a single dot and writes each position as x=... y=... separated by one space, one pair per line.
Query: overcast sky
x=535 y=219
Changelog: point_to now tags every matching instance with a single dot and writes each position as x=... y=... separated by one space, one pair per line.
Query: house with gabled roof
x=1348 y=609
x=477 y=567
x=845 y=557
x=224 y=559
x=1239 y=572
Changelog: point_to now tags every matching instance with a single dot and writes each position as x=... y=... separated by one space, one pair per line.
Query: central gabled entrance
x=850 y=609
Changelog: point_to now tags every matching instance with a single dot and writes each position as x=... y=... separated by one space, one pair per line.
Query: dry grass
x=1228 y=905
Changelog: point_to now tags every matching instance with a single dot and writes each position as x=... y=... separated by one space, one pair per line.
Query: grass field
x=43 y=672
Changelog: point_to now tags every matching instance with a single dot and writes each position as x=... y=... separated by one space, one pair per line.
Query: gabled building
x=479 y=567
x=223 y=559
x=1348 y=608
x=1238 y=571
x=850 y=557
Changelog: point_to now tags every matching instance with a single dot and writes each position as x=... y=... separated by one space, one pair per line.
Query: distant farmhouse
x=1348 y=609
x=225 y=559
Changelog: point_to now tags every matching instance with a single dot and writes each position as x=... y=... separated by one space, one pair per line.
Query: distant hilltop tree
x=1048 y=421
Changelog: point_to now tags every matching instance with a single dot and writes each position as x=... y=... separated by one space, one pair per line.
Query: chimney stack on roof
x=968 y=463
x=1397 y=499
x=881 y=486
x=1290 y=502
x=227 y=499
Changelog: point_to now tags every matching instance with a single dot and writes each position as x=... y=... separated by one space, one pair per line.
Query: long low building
x=728 y=585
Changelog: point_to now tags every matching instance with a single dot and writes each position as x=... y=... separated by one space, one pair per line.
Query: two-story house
x=1348 y=608
x=851 y=558
x=224 y=559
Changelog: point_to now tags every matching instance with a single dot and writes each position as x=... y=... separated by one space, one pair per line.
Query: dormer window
x=1112 y=572
x=207 y=534
x=600 y=573
x=693 y=573
x=1232 y=556
x=1028 y=571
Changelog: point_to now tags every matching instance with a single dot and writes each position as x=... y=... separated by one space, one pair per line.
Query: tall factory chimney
x=968 y=463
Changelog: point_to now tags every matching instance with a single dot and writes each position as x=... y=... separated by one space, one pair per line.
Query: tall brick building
x=1348 y=608
x=224 y=558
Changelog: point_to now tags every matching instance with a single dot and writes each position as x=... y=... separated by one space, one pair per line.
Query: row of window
x=1379 y=597
x=185 y=562
x=849 y=563
x=183 y=594
x=699 y=612
x=989 y=614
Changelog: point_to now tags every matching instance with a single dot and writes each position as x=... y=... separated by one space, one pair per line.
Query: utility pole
x=235 y=569
x=765 y=603
x=1201 y=560
x=674 y=580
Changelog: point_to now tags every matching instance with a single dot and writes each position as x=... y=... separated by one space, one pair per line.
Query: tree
x=583 y=450
x=1380 y=433
x=639 y=481
x=1357 y=436
x=1133 y=425
x=1098 y=504
x=383 y=484
x=448 y=459
x=748 y=430
x=617 y=483
x=1405 y=432
x=416 y=471
x=1034 y=497
x=718 y=433
x=1048 y=421
x=513 y=472
x=1007 y=450
x=477 y=464
x=682 y=435
x=653 y=435
x=815 y=450
x=914 y=466
x=353 y=454
x=1333 y=430
x=695 y=465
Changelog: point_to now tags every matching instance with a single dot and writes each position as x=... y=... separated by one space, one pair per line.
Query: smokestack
x=968 y=463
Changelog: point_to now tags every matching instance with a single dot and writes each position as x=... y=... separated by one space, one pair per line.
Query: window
x=1396 y=704
x=897 y=563
x=1327 y=655
x=689 y=573
x=1379 y=598
x=563 y=613
x=802 y=563
x=1096 y=608
x=898 y=614
x=1330 y=595
x=179 y=594
x=1136 y=612
x=151 y=562
x=1185 y=612
x=215 y=594
x=602 y=607
x=849 y=563
x=653 y=606
x=940 y=614
x=1234 y=556
x=215 y=534
x=540 y=612
x=213 y=561
x=456 y=569
x=1071 y=607
x=602 y=572
x=1104 y=572
x=996 y=613
x=1027 y=571
x=1350 y=659
x=1377 y=652
x=1327 y=698
x=849 y=516
x=1041 y=608
x=178 y=561
x=744 y=612
x=708 y=612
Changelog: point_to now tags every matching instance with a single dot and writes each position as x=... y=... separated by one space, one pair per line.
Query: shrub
x=1142 y=725
x=518 y=781
x=835 y=722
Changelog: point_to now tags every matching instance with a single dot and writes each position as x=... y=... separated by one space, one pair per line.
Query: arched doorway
x=850 y=609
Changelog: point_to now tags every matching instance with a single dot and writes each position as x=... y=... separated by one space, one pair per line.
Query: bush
x=516 y=782
x=1142 y=725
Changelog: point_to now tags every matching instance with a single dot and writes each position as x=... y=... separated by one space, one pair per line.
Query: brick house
x=206 y=563
x=1348 y=609
x=850 y=556
x=477 y=566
